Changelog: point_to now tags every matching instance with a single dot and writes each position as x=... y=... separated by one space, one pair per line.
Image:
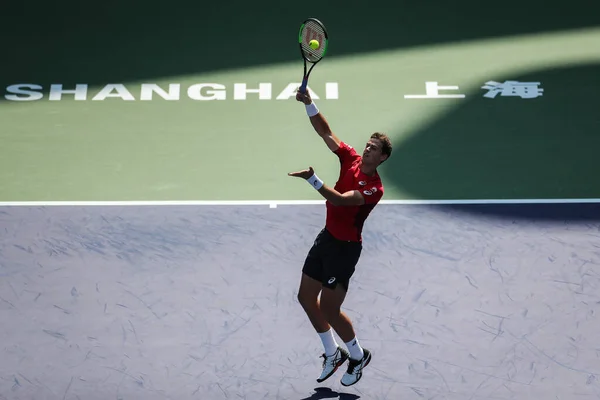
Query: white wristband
x=315 y=182
x=311 y=109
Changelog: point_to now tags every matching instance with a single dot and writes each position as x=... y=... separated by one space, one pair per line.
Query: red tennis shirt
x=346 y=222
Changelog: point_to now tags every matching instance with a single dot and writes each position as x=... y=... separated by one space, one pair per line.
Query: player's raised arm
x=318 y=121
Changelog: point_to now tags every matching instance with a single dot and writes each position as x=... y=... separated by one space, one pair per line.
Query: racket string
x=311 y=31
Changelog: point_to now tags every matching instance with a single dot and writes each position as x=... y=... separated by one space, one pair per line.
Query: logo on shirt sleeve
x=369 y=192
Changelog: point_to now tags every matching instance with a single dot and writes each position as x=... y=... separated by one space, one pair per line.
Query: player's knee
x=306 y=300
x=331 y=309
x=331 y=313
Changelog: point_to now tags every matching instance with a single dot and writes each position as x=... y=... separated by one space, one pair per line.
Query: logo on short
x=367 y=192
x=331 y=280
x=362 y=183
x=373 y=189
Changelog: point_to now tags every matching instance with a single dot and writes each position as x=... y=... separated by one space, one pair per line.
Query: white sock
x=329 y=342
x=356 y=352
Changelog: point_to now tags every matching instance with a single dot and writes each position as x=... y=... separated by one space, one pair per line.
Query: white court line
x=275 y=203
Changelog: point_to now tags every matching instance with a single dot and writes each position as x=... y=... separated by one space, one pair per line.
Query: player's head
x=378 y=149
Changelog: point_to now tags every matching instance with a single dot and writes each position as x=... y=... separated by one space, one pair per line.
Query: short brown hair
x=386 y=144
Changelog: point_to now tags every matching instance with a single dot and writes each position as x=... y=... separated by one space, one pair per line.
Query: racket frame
x=307 y=70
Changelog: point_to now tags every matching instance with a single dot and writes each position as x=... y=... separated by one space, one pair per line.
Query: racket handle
x=303 y=86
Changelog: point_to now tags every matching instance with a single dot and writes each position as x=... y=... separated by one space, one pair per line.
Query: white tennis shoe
x=332 y=363
x=355 y=369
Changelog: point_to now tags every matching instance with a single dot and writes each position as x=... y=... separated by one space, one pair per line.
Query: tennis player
x=331 y=261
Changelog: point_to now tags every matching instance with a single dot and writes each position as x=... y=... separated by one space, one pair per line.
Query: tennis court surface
x=151 y=241
x=184 y=302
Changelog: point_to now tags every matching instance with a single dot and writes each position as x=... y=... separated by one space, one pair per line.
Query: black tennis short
x=332 y=261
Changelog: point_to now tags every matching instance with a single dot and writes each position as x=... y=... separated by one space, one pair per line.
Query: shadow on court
x=327 y=393
x=510 y=148
x=65 y=42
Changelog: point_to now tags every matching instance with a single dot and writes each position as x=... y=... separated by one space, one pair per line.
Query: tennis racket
x=311 y=29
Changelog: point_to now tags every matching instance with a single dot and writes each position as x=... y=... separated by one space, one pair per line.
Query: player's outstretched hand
x=305 y=174
x=303 y=97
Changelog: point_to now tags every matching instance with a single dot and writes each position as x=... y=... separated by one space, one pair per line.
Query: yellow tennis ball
x=314 y=44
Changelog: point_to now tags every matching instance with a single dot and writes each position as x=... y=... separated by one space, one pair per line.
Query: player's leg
x=308 y=296
x=339 y=268
x=310 y=285
x=331 y=303
x=333 y=355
